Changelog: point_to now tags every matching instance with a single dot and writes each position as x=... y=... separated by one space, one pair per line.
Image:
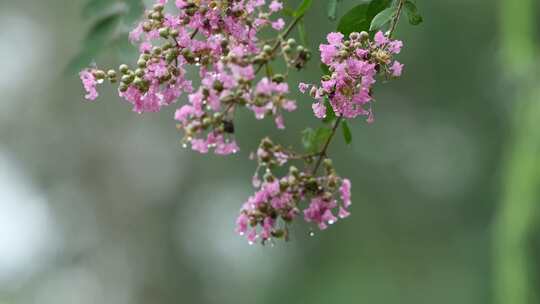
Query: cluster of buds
x=220 y=38
x=353 y=65
x=277 y=201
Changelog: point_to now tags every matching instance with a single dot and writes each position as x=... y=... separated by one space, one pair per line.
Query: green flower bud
x=156 y=50
x=141 y=63
x=287 y=49
x=123 y=68
x=127 y=79
x=364 y=36
x=139 y=72
x=291 y=42
x=111 y=74
x=147 y=26
x=99 y=74
x=164 y=32
x=354 y=36
x=267 y=49
x=138 y=82
x=279 y=78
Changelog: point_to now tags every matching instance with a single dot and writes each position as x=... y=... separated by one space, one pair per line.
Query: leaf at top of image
x=412 y=12
x=382 y=19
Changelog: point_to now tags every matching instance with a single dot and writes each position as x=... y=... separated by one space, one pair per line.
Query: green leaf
x=355 y=20
x=325 y=69
x=302 y=32
x=359 y=17
x=321 y=136
x=330 y=114
x=287 y=11
x=347 y=135
x=412 y=12
x=313 y=140
x=382 y=18
x=308 y=136
x=304 y=6
x=332 y=9
x=376 y=6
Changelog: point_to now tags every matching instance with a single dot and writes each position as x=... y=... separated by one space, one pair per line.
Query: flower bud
x=174 y=33
x=287 y=49
x=164 y=32
x=141 y=63
x=139 y=72
x=291 y=42
x=267 y=49
x=354 y=36
x=111 y=74
x=364 y=36
x=147 y=27
x=123 y=68
x=99 y=74
x=156 y=50
x=279 y=78
x=127 y=79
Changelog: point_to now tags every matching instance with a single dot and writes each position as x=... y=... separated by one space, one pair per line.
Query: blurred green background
x=101 y=205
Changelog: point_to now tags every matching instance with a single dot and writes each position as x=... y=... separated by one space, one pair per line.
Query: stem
x=322 y=154
x=396 y=18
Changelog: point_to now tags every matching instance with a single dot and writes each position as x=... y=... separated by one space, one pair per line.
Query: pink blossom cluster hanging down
x=221 y=39
x=353 y=64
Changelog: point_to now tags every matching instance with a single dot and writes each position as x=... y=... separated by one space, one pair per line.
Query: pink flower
x=199 y=145
x=89 y=83
x=303 y=87
x=396 y=69
x=395 y=46
x=279 y=24
x=335 y=38
x=242 y=224
x=319 y=109
x=345 y=190
x=380 y=39
x=275 y=6
x=343 y=213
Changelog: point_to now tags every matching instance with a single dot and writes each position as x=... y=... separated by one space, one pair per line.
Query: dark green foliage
x=412 y=12
x=359 y=17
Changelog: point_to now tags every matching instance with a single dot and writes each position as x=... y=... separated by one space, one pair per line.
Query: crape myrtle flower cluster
x=220 y=38
x=353 y=66
x=276 y=202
